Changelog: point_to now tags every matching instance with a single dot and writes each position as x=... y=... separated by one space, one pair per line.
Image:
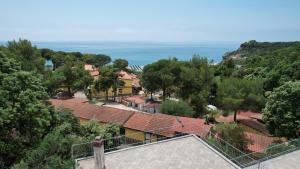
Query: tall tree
x=28 y=55
x=105 y=81
x=159 y=74
x=238 y=94
x=120 y=64
x=282 y=110
x=97 y=60
x=234 y=135
x=72 y=77
x=24 y=117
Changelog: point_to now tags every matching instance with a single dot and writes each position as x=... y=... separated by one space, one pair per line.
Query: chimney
x=98 y=146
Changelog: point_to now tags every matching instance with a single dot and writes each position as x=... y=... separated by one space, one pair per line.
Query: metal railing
x=242 y=159
x=82 y=150
x=273 y=151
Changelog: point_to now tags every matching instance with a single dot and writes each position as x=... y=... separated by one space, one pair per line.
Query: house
x=131 y=82
x=92 y=69
x=185 y=152
x=141 y=103
x=150 y=127
x=85 y=111
x=152 y=106
x=135 y=102
x=134 y=125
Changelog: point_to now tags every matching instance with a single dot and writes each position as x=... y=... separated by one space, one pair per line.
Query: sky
x=150 y=20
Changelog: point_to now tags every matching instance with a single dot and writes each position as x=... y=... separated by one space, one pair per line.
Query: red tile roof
x=135 y=99
x=251 y=119
x=93 y=71
x=195 y=126
x=259 y=142
x=88 y=67
x=83 y=109
x=167 y=125
x=152 y=123
x=126 y=76
x=161 y=124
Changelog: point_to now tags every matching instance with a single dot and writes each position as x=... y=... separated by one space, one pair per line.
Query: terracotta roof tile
x=136 y=99
x=167 y=125
x=82 y=109
x=161 y=124
x=126 y=76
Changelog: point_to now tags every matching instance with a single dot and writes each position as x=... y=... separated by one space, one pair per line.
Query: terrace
x=178 y=149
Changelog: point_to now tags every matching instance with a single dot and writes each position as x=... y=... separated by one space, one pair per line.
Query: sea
x=142 y=53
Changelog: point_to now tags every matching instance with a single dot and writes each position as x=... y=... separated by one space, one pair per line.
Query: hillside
x=253 y=47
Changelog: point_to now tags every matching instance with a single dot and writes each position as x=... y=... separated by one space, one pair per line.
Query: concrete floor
x=287 y=161
x=188 y=152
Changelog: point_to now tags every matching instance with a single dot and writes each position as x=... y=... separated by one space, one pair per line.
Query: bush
x=176 y=108
x=234 y=135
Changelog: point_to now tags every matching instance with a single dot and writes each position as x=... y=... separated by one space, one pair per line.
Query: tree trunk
x=164 y=94
x=234 y=116
x=69 y=91
x=151 y=96
x=106 y=95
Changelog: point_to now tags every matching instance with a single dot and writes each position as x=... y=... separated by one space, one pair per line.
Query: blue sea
x=142 y=53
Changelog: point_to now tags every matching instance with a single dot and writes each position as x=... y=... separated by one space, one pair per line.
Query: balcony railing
x=242 y=159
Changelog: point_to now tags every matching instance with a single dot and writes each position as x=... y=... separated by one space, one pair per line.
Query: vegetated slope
x=277 y=64
x=253 y=47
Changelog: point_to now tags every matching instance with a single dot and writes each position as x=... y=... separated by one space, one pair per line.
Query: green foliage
x=25 y=118
x=72 y=77
x=26 y=54
x=54 y=150
x=282 y=110
x=109 y=78
x=176 y=108
x=210 y=117
x=92 y=129
x=159 y=75
x=276 y=63
x=97 y=60
x=234 y=135
x=120 y=64
x=240 y=94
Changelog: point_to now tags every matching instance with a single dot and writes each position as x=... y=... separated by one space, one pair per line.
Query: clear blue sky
x=150 y=20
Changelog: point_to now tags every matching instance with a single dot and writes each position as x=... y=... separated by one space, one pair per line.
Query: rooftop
x=83 y=109
x=136 y=99
x=287 y=161
x=141 y=121
x=187 y=152
x=127 y=76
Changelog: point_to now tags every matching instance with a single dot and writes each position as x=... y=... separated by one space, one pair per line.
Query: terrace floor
x=187 y=152
x=287 y=161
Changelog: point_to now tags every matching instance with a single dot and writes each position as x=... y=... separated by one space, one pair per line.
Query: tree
x=105 y=80
x=55 y=149
x=234 y=135
x=159 y=74
x=72 y=77
x=238 y=94
x=97 y=60
x=28 y=56
x=282 y=110
x=176 y=108
x=120 y=64
x=25 y=118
